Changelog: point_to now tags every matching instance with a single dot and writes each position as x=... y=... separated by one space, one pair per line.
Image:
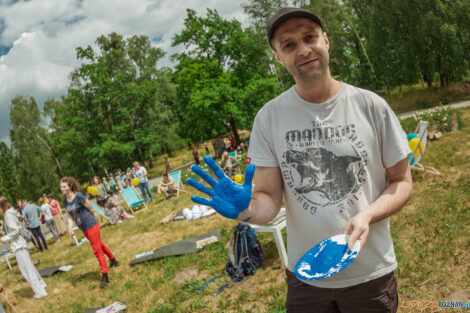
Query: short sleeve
x=260 y=151
x=394 y=145
x=80 y=198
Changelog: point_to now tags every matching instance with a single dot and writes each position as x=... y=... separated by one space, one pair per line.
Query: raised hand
x=228 y=197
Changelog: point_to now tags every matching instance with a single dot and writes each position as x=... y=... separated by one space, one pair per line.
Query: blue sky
x=38 y=38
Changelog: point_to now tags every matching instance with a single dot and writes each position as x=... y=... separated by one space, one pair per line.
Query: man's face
x=225 y=155
x=302 y=47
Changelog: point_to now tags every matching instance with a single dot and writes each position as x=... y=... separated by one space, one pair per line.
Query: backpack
x=245 y=257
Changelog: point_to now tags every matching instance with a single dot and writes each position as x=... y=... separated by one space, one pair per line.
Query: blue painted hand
x=228 y=197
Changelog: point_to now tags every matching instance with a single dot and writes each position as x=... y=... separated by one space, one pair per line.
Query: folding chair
x=275 y=228
x=101 y=213
x=176 y=176
x=422 y=134
x=132 y=198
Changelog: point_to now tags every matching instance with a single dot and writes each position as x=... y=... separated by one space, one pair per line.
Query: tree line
x=120 y=106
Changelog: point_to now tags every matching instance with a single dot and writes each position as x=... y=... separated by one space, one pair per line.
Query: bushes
x=439 y=117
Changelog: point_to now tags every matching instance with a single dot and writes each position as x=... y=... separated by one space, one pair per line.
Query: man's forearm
x=394 y=197
x=262 y=209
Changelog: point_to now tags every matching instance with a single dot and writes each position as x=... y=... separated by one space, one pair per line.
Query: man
x=228 y=164
x=141 y=174
x=167 y=184
x=324 y=144
x=30 y=213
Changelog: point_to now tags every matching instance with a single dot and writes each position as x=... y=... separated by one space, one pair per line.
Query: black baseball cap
x=285 y=14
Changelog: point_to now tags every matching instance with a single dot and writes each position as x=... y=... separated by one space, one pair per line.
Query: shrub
x=439 y=116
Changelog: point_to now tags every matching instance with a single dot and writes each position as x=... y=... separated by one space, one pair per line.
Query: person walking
x=30 y=212
x=81 y=212
x=56 y=211
x=141 y=174
x=196 y=156
x=48 y=218
x=19 y=247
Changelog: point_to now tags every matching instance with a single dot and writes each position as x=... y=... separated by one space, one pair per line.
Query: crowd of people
x=22 y=225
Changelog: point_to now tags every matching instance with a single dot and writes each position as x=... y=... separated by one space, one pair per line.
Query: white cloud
x=43 y=36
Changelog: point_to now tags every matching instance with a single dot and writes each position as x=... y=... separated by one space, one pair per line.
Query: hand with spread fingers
x=228 y=197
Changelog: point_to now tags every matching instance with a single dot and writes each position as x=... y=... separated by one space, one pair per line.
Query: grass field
x=431 y=236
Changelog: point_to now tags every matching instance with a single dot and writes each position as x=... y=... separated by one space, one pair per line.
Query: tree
x=117 y=106
x=411 y=40
x=8 y=185
x=36 y=169
x=215 y=76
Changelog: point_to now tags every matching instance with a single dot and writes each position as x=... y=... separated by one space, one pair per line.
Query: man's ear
x=276 y=55
x=327 y=42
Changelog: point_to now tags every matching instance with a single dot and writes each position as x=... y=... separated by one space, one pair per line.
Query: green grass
x=431 y=236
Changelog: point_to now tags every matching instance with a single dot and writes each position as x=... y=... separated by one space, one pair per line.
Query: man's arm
x=394 y=197
x=266 y=199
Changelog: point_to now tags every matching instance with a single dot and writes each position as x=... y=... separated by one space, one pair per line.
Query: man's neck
x=319 y=91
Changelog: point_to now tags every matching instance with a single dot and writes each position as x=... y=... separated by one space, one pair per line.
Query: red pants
x=99 y=248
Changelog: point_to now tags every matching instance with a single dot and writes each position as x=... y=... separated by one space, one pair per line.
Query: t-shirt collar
x=318 y=106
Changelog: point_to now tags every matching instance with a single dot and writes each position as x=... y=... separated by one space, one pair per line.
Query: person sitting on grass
x=229 y=163
x=114 y=210
x=167 y=185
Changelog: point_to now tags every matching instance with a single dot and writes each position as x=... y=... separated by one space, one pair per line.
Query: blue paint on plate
x=326 y=259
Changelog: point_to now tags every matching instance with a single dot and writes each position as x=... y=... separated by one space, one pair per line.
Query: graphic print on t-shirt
x=72 y=209
x=324 y=166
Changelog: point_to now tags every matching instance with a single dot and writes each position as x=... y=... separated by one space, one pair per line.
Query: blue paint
x=228 y=197
x=326 y=259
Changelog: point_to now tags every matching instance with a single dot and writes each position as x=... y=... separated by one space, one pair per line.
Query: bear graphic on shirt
x=323 y=172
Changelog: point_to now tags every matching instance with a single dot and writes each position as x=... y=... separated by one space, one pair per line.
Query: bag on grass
x=245 y=256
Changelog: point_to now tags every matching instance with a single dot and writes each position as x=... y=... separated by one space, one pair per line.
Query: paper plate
x=327 y=258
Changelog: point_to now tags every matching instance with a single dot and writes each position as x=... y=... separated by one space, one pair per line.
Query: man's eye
x=288 y=45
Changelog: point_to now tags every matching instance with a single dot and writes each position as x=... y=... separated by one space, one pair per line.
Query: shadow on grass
x=25 y=292
x=90 y=276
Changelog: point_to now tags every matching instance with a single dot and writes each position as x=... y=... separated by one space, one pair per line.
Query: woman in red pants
x=81 y=212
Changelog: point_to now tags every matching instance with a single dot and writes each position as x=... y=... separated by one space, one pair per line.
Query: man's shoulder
x=363 y=95
x=274 y=104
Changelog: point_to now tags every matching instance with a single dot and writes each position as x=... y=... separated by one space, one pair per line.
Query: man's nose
x=303 y=50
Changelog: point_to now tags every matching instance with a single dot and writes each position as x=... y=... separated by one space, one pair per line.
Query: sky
x=38 y=38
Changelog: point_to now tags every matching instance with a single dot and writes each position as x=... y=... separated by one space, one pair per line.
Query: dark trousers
x=378 y=296
x=37 y=233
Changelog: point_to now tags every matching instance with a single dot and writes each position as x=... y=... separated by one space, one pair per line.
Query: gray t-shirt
x=30 y=213
x=82 y=217
x=332 y=157
x=46 y=208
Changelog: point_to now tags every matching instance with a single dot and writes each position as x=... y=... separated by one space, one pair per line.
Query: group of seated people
x=108 y=200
